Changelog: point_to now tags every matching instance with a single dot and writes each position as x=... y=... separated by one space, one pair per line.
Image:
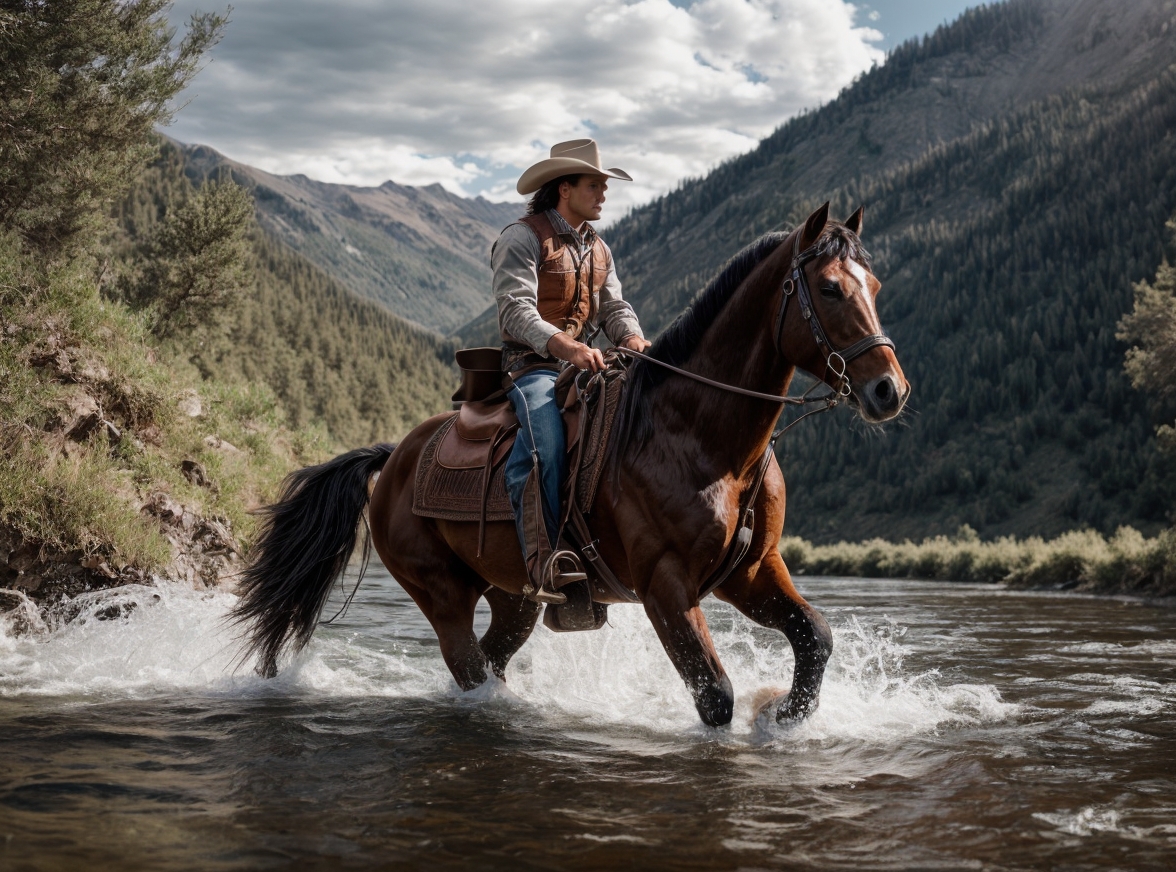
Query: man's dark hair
x=547 y=197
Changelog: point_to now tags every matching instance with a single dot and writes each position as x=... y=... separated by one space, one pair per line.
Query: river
x=960 y=727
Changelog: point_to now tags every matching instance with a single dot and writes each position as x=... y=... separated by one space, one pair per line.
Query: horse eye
x=832 y=290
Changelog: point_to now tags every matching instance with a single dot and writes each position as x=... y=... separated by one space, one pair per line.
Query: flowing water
x=960 y=727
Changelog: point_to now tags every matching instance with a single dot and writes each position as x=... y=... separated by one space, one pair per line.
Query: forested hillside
x=1008 y=223
x=329 y=356
x=422 y=253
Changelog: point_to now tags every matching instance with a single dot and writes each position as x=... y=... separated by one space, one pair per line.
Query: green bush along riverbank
x=1126 y=562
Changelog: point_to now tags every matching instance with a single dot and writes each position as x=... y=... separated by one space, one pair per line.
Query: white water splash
x=1084 y=822
x=142 y=641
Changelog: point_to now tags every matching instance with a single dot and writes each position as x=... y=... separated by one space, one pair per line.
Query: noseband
x=796 y=284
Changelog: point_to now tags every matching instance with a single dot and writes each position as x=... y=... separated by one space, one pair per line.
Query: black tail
x=304 y=544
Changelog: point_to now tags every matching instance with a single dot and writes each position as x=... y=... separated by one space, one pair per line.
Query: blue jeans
x=541 y=429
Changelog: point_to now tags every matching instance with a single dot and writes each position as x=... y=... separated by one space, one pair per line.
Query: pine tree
x=1151 y=361
x=82 y=86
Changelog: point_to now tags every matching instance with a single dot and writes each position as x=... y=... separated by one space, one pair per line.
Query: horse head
x=836 y=326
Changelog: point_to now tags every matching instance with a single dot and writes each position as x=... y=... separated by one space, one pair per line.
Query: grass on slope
x=95 y=428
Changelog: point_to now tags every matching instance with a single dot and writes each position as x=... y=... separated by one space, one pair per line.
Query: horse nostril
x=883 y=390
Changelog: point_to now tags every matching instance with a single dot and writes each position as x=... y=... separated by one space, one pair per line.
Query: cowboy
x=556 y=285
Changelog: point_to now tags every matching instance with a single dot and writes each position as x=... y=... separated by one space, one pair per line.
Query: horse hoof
x=765 y=699
x=716 y=703
x=793 y=710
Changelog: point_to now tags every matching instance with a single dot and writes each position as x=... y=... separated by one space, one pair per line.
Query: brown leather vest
x=569 y=287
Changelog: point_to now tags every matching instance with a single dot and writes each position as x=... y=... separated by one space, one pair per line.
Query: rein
x=723 y=386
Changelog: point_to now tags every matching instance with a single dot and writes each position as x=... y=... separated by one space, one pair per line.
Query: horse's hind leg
x=448 y=600
x=512 y=618
x=769 y=598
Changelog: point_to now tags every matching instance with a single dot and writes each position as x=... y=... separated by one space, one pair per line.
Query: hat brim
x=553 y=167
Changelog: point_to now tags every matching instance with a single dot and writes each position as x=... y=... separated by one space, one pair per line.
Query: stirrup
x=547 y=597
x=556 y=575
x=553 y=576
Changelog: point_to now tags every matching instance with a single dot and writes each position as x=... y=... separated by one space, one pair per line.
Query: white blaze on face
x=859 y=273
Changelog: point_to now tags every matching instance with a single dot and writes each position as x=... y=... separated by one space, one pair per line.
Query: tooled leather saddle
x=460 y=473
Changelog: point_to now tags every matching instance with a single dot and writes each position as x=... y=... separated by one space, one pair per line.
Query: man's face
x=584 y=199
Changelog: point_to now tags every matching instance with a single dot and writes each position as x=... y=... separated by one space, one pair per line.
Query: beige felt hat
x=573 y=156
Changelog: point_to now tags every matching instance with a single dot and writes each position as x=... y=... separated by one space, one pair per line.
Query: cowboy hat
x=573 y=156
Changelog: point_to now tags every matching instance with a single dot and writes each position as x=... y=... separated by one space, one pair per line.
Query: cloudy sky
x=467 y=94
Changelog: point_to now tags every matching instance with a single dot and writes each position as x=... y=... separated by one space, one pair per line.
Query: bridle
x=796 y=284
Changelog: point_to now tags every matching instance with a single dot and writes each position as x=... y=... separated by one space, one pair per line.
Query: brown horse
x=683 y=458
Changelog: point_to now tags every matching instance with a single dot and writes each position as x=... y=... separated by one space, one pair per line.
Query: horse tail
x=305 y=541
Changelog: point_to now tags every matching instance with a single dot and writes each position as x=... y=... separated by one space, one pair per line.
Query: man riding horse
x=556 y=285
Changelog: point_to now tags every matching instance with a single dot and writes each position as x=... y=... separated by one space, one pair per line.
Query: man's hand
x=635 y=342
x=576 y=353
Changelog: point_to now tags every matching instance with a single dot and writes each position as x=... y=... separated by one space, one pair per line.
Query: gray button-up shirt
x=515 y=261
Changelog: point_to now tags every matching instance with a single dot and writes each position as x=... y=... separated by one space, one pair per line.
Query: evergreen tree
x=195 y=263
x=82 y=85
x=1151 y=361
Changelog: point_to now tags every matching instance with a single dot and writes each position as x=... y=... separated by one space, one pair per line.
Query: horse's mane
x=678 y=341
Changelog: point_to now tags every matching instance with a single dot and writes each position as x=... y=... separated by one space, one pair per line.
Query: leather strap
x=797 y=284
x=578 y=527
x=723 y=386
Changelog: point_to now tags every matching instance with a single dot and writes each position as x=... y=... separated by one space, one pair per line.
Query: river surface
x=960 y=727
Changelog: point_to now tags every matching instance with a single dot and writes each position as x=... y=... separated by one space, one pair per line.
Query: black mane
x=678 y=341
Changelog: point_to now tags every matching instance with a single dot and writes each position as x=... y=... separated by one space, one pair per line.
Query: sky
x=468 y=94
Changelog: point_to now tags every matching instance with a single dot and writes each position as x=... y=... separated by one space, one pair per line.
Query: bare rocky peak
x=1052 y=47
x=423 y=252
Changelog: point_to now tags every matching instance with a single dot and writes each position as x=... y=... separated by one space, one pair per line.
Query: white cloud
x=464 y=94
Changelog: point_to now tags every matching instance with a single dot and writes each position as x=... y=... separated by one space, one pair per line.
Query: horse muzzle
x=882 y=398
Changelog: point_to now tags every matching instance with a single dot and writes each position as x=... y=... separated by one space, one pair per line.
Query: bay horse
x=683 y=457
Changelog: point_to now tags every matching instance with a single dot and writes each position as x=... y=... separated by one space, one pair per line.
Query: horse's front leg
x=767 y=596
x=679 y=622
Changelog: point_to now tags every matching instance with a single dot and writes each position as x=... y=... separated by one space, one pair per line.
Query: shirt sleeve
x=615 y=315
x=514 y=259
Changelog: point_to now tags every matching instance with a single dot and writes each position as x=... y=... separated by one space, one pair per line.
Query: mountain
x=329 y=356
x=422 y=253
x=989 y=64
x=1017 y=168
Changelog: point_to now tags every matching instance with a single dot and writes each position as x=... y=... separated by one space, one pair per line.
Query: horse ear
x=813 y=226
x=854 y=222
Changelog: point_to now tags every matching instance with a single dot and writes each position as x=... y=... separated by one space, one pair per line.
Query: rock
x=195 y=473
x=170 y=512
x=95 y=563
x=94 y=372
x=215 y=442
x=24 y=557
x=78 y=416
x=189 y=404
